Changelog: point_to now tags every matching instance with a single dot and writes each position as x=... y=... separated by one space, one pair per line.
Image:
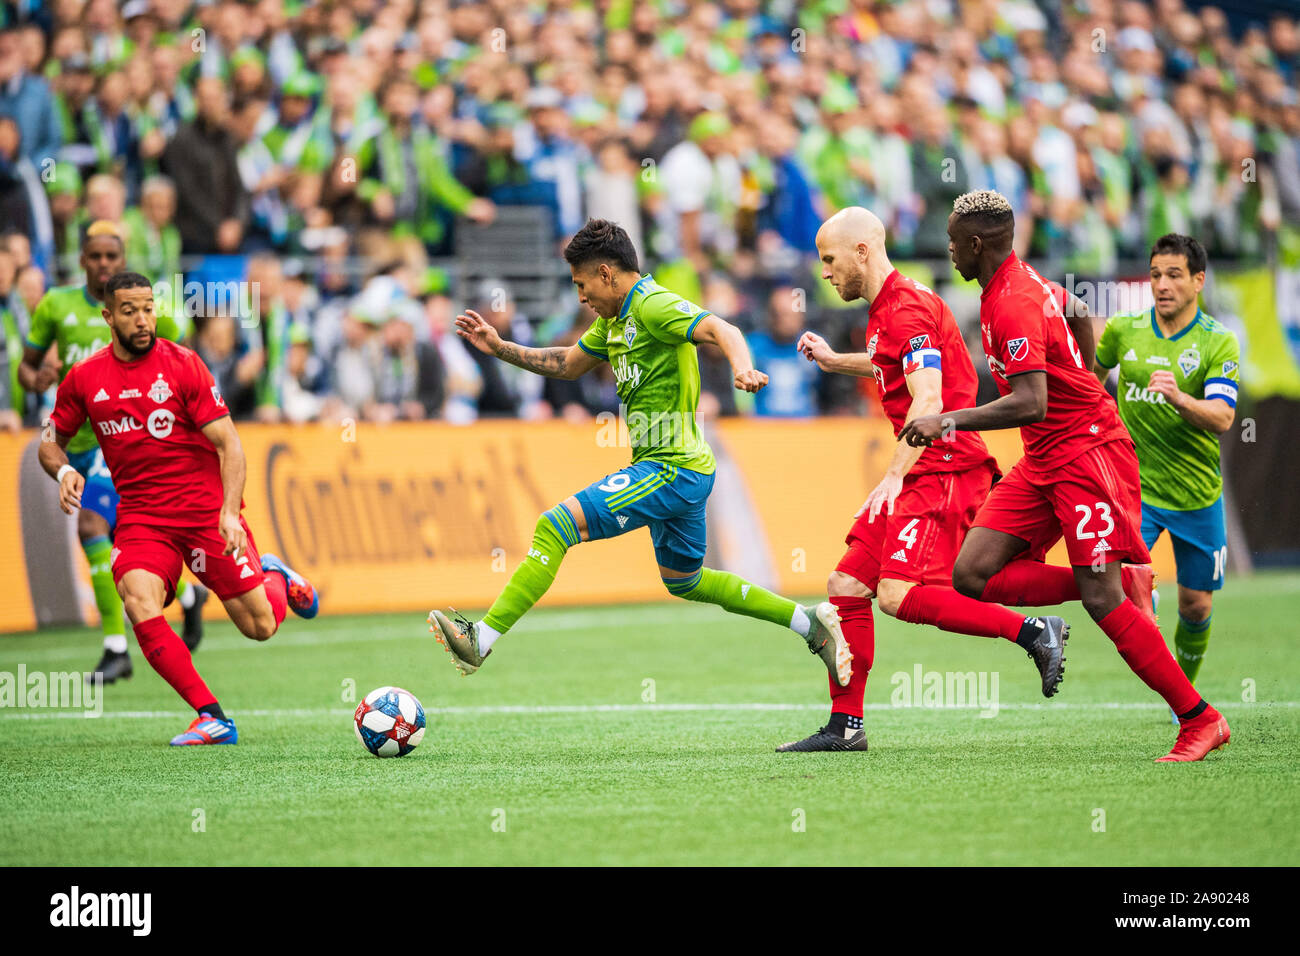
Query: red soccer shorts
x=1095 y=502
x=162 y=551
x=920 y=540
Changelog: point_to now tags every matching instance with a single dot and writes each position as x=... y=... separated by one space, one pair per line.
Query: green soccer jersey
x=1179 y=462
x=69 y=316
x=648 y=345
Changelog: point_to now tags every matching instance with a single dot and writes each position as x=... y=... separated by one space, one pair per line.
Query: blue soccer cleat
x=206 y=729
x=303 y=598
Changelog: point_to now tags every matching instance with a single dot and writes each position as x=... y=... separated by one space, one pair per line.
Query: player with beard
x=68 y=326
x=179 y=468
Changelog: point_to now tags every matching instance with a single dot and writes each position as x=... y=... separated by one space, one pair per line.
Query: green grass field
x=552 y=755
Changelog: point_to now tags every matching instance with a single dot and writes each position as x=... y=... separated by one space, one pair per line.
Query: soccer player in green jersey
x=71 y=320
x=648 y=335
x=1177 y=394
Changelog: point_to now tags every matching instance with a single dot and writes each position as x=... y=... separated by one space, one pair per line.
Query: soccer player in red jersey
x=1079 y=474
x=176 y=460
x=902 y=546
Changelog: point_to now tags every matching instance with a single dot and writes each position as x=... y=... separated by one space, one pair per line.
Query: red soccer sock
x=1143 y=648
x=1025 y=582
x=860 y=634
x=168 y=655
x=949 y=611
x=277 y=592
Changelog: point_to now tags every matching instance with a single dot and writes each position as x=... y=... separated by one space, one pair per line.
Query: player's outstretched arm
x=1026 y=405
x=234 y=469
x=53 y=457
x=816 y=349
x=558 y=362
x=712 y=330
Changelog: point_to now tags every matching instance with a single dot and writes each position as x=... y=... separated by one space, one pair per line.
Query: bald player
x=906 y=536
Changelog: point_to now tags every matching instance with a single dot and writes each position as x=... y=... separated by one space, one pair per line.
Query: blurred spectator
x=212 y=204
x=13 y=332
x=27 y=99
x=153 y=244
x=234 y=365
x=23 y=206
x=405 y=177
x=792 y=380
x=463 y=380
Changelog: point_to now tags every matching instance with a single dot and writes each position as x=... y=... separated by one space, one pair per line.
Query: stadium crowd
x=281 y=142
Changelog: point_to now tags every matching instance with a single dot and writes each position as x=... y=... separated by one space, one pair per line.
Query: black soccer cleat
x=826 y=739
x=192 y=632
x=1048 y=653
x=111 y=666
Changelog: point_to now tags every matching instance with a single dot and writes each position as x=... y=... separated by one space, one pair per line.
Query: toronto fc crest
x=160 y=391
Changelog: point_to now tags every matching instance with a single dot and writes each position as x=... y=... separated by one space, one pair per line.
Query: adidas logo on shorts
x=899 y=555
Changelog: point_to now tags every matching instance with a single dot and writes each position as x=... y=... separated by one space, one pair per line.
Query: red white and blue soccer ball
x=389 y=722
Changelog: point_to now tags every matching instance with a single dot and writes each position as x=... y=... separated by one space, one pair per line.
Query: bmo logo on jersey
x=161 y=422
x=119 y=426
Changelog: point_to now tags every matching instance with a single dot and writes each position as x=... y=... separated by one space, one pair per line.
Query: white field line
x=577 y=619
x=553 y=709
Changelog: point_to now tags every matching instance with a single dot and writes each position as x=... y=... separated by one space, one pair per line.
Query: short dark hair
x=601 y=241
x=1175 y=244
x=124 y=280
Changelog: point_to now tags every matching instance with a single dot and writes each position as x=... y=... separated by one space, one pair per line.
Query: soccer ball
x=389 y=722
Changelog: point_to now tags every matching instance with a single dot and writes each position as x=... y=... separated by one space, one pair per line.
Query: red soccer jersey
x=147 y=415
x=908 y=328
x=1025 y=331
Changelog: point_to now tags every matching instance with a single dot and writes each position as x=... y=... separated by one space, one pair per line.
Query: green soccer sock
x=554 y=535
x=1190 y=641
x=733 y=593
x=99 y=552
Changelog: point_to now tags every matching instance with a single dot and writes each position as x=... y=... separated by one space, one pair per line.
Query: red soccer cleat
x=1140 y=588
x=1198 y=736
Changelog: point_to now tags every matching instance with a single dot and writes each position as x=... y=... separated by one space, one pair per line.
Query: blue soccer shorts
x=1200 y=542
x=98 y=495
x=665 y=498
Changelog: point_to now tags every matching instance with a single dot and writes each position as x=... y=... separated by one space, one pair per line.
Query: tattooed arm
x=558 y=362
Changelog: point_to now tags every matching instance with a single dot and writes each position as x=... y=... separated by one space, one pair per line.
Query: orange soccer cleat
x=1198 y=736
